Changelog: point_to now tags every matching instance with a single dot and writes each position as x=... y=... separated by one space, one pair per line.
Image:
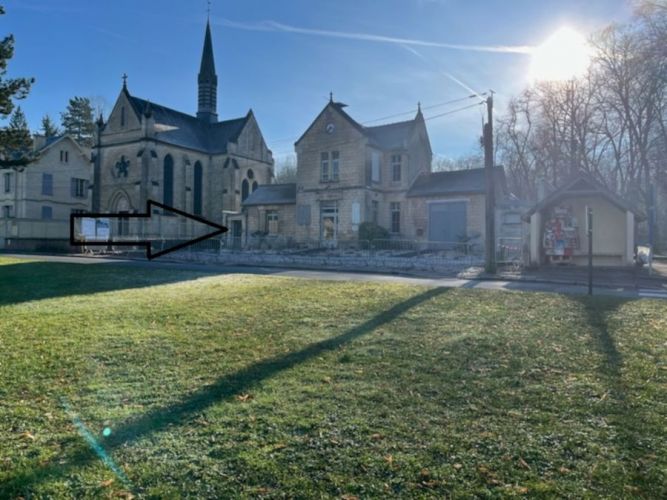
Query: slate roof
x=470 y=181
x=389 y=136
x=582 y=185
x=181 y=129
x=272 y=194
x=392 y=135
x=207 y=66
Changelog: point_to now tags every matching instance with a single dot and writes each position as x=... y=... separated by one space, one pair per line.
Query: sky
x=282 y=57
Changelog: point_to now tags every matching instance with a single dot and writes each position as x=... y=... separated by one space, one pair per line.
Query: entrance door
x=447 y=221
x=329 y=223
x=237 y=233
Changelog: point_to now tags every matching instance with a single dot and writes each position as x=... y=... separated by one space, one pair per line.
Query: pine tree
x=49 y=129
x=15 y=140
x=77 y=120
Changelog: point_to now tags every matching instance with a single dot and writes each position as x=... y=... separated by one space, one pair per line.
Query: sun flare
x=564 y=55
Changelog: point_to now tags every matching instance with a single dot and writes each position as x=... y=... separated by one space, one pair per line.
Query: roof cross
x=124 y=80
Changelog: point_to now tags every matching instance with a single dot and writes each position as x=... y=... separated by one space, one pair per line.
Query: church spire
x=208 y=82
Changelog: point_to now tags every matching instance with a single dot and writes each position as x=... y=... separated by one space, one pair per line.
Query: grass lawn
x=120 y=382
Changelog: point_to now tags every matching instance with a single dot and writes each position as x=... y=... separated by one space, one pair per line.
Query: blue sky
x=282 y=58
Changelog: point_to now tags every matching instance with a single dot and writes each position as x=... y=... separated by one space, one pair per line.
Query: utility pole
x=490 y=197
x=589 y=232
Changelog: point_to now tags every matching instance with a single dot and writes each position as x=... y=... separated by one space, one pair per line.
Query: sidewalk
x=609 y=277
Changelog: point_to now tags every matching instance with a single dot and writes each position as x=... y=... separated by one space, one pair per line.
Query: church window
x=122 y=166
x=245 y=188
x=197 y=202
x=168 y=181
x=254 y=186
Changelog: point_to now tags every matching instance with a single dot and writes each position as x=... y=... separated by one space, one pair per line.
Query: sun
x=564 y=55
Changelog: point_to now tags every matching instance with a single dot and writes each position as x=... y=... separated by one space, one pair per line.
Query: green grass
x=259 y=386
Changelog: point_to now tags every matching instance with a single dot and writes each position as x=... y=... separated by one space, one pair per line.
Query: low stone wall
x=357 y=262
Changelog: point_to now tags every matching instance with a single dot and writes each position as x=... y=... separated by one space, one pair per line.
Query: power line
x=432 y=106
x=454 y=111
x=453 y=101
x=425 y=119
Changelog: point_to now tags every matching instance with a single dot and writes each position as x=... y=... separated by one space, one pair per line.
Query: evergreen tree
x=49 y=129
x=15 y=140
x=78 y=121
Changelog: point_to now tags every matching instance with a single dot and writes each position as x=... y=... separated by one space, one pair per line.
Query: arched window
x=245 y=188
x=250 y=173
x=168 y=181
x=197 y=189
x=254 y=186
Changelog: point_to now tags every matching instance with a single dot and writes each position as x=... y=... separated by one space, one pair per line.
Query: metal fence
x=460 y=253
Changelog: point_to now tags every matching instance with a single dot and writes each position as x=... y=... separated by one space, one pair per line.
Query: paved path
x=484 y=284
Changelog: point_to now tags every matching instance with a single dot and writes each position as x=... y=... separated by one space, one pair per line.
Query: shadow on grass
x=35 y=280
x=224 y=388
x=625 y=416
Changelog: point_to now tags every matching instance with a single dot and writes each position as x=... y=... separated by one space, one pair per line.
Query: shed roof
x=272 y=194
x=582 y=184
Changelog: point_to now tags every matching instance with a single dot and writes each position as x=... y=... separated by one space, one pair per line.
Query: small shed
x=558 y=226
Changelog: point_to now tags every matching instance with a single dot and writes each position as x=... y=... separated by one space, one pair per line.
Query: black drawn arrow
x=146 y=243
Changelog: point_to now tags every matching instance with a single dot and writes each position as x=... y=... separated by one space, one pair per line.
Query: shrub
x=371 y=231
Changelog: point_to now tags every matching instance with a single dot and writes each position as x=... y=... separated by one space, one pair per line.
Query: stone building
x=348 y=174
x=52 y=187
x=36 y=201
x=193 y=163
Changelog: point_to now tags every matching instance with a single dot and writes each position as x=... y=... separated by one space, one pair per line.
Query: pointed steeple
x=208 y=82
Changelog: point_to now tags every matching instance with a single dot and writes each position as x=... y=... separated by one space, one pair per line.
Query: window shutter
x=303 y=215
x=356 y=213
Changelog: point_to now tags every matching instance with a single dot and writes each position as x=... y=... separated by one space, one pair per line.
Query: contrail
x=445 y=73
x=285 y=28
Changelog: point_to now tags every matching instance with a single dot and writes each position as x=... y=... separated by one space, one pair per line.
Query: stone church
x=193 y=163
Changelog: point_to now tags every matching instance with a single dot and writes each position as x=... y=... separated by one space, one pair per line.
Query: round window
x=250 y=173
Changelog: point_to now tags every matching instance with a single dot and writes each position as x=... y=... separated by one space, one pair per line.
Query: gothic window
x=168 y=181
x=197 y=202
x=254 y=186
x=245 y=188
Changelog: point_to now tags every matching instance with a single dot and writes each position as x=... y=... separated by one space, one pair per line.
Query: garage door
x=447 y=221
